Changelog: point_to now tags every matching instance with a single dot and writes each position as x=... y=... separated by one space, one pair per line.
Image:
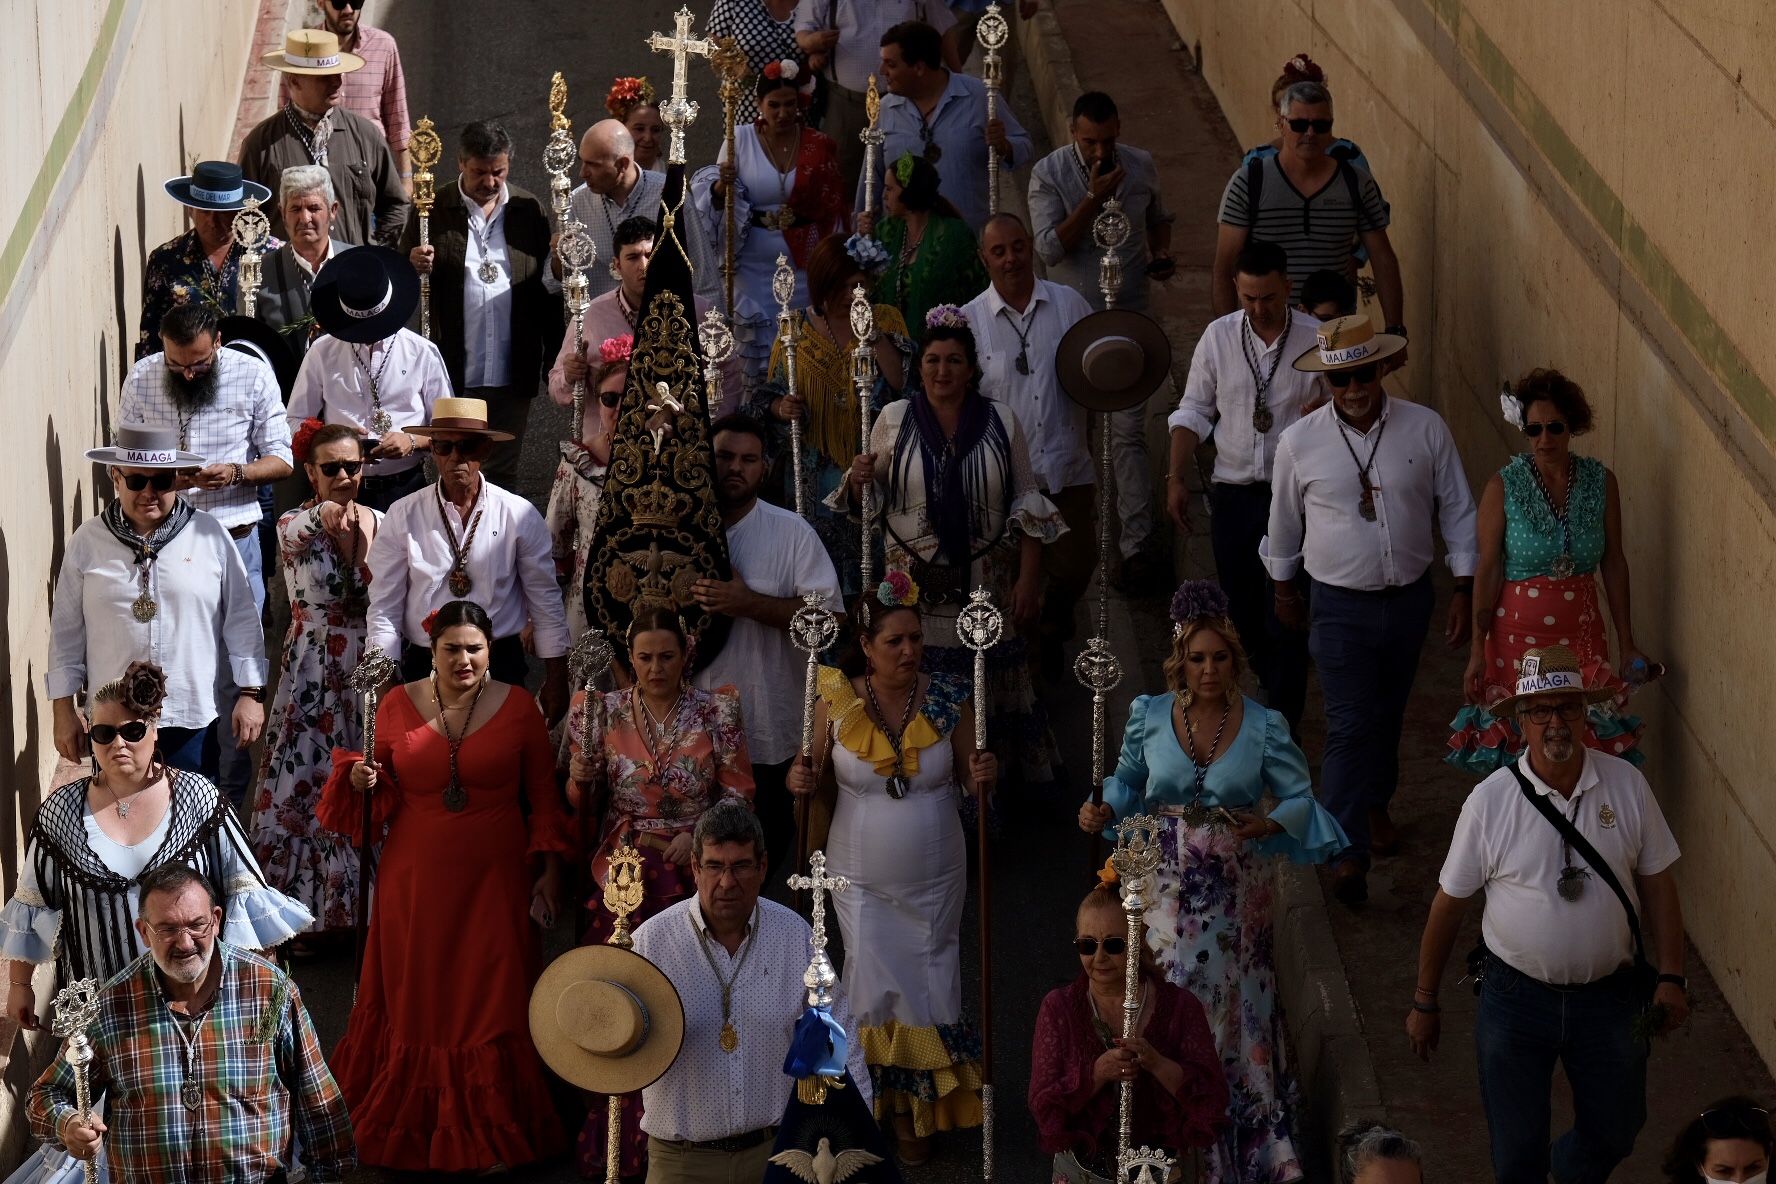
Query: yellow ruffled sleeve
x=854 y=729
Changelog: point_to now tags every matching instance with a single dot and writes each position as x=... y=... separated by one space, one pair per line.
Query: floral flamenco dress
x=1212 y=928
x=1539 y=607
x=907 y=863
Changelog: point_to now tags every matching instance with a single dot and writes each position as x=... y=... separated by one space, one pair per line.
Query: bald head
x=607 y=158
x=1005 y=249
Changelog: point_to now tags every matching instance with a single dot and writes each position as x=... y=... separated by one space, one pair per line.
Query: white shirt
x=1417 y=478
x=1504 y=845
x=601 y=216
x=776 y=553
x=333 y=386
x=206 y=629
x=1054 y=424
x=303 y=264
x=1220 y=394
x=487 y=308
x=511 y=571
x=861 y=24
x=710 y=1094
x=245 y=423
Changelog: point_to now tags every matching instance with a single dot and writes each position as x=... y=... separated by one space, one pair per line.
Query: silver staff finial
x=820 y=978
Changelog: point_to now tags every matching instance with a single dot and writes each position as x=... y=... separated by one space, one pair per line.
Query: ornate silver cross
x=679 y=112
x=820 y=978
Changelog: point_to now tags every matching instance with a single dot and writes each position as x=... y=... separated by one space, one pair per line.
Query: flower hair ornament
x=1302 y=68
x=869 y=255
x=628 y=93
x=1197 y=600
x=903 y=169
x=1511 y=405
x=143 y=688
x=303 y=441
x=616 y=349
x=1107 y=877
x=431 y=619
x=898 y=590
x=946 y=316
x=789 y=70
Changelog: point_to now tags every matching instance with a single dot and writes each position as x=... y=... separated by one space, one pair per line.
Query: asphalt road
x=467 y=62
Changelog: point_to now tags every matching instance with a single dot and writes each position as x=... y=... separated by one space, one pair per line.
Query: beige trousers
x=669 y=1164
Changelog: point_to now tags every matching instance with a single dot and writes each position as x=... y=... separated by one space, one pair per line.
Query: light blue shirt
x=958 y=128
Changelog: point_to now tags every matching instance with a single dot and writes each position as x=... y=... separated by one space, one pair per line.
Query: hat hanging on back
x=1347 y=342
x=606 y=1019
x=1113 y=360
x=312 y=51
x=365 y=294
x=215 y=185
x=1545 y=671
x=142 y=447
x=256 y=339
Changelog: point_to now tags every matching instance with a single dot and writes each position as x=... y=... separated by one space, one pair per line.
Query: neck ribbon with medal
x=488 y=272
x=1195 y=814
x=1571 y=884
x=380 y=422
x=458 y=581
x=730 y=1035
x=1365 y=500
x=1562 y=566
x=897 y=785
x=1262 y=418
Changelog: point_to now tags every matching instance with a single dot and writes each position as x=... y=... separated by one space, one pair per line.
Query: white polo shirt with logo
x=1503 y=844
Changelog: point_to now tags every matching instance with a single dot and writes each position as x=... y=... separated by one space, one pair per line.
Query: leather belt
x=742 y=1142
x=240 y=532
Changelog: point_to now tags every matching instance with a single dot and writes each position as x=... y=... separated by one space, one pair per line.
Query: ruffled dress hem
x=931 y=1074
x=260 y=918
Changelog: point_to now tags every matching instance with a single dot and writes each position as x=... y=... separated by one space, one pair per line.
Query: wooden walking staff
x=812 y=630
x=863 y=376
x=783 y=288
x=992 y=32
x=622 y=896
x=425 y=148
x=872 y=138
x=980 y=626
x=1136 y=859
x=373 y=672
x=678 y=112
x=251 y=231
x=729 y=61
x=76 y=1007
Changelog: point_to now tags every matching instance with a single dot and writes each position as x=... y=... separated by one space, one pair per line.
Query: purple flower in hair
x=1196 y=599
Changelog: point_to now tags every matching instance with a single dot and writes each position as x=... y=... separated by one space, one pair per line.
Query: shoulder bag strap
x=1587 y=852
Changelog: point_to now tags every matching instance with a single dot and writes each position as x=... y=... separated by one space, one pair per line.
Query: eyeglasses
x=472 y=449
x=103 y=734
x=744 y=870
x=332 y=468
x=194 y=369
x=1088 y=946
x=1543 y=713
x=137 y=482
x=1343 y=378
x=611 y=398
x=1321 y=126
x=1553 y=427
x=197 y=930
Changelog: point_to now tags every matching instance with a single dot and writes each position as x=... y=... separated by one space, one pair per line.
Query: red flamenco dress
x=437 y=1062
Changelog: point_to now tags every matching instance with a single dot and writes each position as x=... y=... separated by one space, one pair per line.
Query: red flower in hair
x=773 y=70
x=616 y=349
x=430 y=619
x=304 y=439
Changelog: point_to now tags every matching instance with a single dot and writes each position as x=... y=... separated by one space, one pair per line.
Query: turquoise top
x=1154 y=771
x=1533 y=538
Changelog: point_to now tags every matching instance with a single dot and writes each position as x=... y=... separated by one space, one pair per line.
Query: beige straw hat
x=1344 y=342
x=1544 y=671
x=312 y=51
x=606 y=1019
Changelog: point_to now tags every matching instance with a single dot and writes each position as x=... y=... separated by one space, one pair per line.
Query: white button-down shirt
x=1221 y=393
x=861 y=24
x=511 y=571
x=710 y=1094
x=1417 y=480
x=776 y=553
x=206 y=628
x=333 y=386
x=1054 y=424
x=958 y=128
x=244 y=423
x=487 y=308
x=1504 y=845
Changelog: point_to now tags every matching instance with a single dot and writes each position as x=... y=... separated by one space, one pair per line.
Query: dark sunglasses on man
x=1553 y=427
x=136 y=482
x=103 y=734
x=1088 y=946
x=333 y=468
x=1343 y=378
x=475 y=448
x=1299 y=126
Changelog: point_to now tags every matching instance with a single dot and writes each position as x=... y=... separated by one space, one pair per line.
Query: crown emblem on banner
x=657 y=506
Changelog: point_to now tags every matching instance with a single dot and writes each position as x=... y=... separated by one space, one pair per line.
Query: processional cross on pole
x=679 y=112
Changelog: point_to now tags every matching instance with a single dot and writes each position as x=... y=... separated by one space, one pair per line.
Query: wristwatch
x=1676 y=980
x=256 y=694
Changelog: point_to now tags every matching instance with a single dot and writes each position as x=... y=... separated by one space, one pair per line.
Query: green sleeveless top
x=1533 y=538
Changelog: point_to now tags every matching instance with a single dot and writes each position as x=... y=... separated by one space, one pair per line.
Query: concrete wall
x=1582 y=185
x=102 y=101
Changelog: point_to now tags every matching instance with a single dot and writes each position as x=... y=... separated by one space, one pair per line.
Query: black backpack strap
x=1254 y=190
x=1349 y=173
x=1587 y=852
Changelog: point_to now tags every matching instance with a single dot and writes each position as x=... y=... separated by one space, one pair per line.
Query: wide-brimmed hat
x=215 y=185
x=1113 y=360
x=256 y=339
x=452 y=414
x=1346 y=342
x=312 y=51
x=139 y=446
x=1548 y=670
x=365 y=294
x=606 y=1019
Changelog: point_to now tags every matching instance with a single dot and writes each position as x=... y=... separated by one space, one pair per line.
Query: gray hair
x=728 y=822
x=484 y=141
x=1364 y=1142
x=302 y=179
x=1310 y=94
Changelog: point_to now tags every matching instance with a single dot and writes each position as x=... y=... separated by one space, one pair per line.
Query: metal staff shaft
x=992 y=32
x=863 y=372
x=74 y=1009
x=425 y=148
x=1136 y=859
x=979 y=626
x=812 y=629
x=368 y=677
x=729 y=62
x=783 y=288
x=623 y=894
x=872 y=137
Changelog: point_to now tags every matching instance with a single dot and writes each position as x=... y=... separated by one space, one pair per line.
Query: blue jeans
x=1365 y=646
x=1523 y=1028
x=234 y=766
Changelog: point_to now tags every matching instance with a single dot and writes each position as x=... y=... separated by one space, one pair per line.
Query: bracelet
x=1676 y=980
x=240 y=474
x=1427 y=1008
x=1424 y=991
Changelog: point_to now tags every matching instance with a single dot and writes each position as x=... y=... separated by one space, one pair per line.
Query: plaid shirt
x=378 y=92
x=259 y=1064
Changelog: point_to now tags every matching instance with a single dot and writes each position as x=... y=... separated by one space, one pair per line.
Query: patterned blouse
x=762 y=37
x=178 y=270
x=1533 y=537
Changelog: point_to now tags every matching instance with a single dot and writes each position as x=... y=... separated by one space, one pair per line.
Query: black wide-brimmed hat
x=1113 y=360
x=363 y=295
x=256 y=339
x=216 y=185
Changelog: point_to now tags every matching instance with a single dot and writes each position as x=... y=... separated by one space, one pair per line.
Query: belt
x=1387 y=593
x=240 y=532
x=781 y=218
x=743 y=1142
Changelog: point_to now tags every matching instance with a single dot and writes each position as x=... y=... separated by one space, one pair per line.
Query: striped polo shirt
x=1317 y=231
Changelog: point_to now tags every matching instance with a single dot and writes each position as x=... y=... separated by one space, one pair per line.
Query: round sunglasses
x=1088 y=946
x=132 y=732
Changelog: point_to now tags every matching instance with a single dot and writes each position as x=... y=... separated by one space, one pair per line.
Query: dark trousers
x=505 y=663
x=1068 y=562
x=1365 y=646
x=507 y=411
x=772 y=802
x=379 y=493
x=1522 y=1029
x=191 y=749
x=1240 y=521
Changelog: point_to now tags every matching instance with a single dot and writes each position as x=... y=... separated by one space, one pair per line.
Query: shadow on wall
x=25 y=777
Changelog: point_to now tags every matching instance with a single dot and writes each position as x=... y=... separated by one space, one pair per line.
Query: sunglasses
x=611 y=398
x=1343 y=378
x=105 y=733
x=1321 y=126
x=348 y=3
x=137 y=482
x=1728 y=1122
x=1553 y=427
x=333 y=468
x=473 y=449
x=1088 y=946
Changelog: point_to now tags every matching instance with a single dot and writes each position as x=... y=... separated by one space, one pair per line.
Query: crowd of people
x=366 y=462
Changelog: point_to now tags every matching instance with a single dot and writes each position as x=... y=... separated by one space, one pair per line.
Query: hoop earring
x=1186 y=699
